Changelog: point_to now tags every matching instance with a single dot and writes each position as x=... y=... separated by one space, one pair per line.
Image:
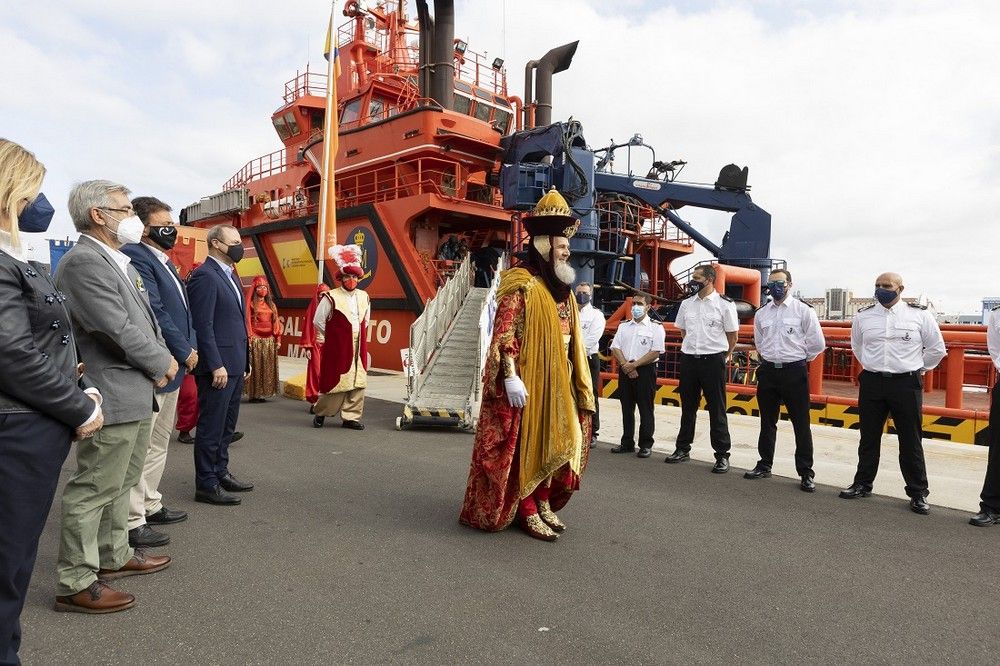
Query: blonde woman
x=42 y=404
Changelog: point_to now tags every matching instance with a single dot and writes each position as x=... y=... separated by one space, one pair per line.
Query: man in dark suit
x=219 y=314
x=168 y=299
x=122 y=347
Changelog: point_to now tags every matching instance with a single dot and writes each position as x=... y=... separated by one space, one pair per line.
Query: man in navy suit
x=219 y=314
x=169 y=301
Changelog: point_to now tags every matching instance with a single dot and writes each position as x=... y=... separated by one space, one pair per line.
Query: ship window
x=352 y=111
x=503 y=120
x=463 y=86
x=501 y=101
x=462 y=103
x=482 y=94
x=293 y=126
x=316 y=118
x=281 y=128
x=483 y=111
x=376 y=108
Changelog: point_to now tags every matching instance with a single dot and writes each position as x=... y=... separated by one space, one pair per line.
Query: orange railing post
x=816 y=376
x=955 y=369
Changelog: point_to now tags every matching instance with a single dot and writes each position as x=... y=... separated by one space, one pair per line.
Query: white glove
x=517 y=392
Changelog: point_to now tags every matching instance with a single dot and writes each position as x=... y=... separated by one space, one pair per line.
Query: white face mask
x=129 y=230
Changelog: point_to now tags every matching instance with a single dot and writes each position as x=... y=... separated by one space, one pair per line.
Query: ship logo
x=364 y=238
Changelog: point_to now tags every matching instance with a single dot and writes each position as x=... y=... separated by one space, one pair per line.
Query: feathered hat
x=551 y=217
x=348 y=259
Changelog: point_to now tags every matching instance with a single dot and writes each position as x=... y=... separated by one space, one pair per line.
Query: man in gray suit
x=125 y=357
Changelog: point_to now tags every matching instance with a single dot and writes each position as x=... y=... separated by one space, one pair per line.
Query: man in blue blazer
x=169 y=301
x=218 y=310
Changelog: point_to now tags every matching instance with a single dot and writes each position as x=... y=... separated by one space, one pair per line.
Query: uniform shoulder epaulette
x=917 y=306
x=995 y=307
x=867 y=307
x=725 y=298
x=804 y=303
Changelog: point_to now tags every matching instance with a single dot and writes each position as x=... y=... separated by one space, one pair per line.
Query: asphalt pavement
x=349 y=551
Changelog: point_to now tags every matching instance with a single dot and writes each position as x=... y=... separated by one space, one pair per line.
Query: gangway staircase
x=448 y=344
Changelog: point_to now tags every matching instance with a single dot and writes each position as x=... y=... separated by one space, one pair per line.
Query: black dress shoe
x=985 y=518
x=256 y=400
x=919 y=505
x=237 y=436
x=185 y=438
x=644 y=453
x=721 y=466
x=353 y=425
x=234 y=485
x=855 y=491
x=758 y=472
x=807 y=484
x=145 y=536
x=677 y=456
x=621 y=448
x=318 y=421
x=215 y=496
x=166 y=516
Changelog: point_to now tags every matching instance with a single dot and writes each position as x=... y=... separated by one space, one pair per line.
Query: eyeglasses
x=129 y=210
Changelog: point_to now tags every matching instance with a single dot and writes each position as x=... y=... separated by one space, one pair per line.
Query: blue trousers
x=218 y=410
x=33 y=448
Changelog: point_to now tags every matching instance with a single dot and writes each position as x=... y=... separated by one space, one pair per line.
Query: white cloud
x=872 y=129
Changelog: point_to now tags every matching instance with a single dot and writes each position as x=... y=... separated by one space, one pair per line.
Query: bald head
x=888 y=287
x=887 y=279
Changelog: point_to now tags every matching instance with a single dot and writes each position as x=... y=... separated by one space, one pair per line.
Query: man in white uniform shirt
x=709 y=329
x=787 y=335
x=896 y=344
x=636 y=346
x=592 y=324
x=989 y=505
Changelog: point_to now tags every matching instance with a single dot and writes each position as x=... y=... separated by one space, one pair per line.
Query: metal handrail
x=428 y=331
x=486 y=316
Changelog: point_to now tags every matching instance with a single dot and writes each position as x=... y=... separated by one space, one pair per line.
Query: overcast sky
x=871 y=129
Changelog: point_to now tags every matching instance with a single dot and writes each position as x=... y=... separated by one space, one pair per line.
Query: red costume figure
x=534 y=428
x=264 y=333
x=341 y=322
x=312 y=347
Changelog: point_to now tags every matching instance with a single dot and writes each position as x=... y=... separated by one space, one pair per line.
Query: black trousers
x=991 y=486
x=902 y=397
x=33 y=448
x=638 y=392
x=704 y=375
x=595 y=369
x=790 y=385
x=218 y=410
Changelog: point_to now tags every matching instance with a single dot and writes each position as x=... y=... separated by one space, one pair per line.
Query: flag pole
x=326 y=231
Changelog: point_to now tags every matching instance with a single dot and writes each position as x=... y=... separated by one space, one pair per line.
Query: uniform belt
x=912 y=373
x=714 y=355
x=779 y=366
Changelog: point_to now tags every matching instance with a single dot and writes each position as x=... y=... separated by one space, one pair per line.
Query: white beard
x=564 y=272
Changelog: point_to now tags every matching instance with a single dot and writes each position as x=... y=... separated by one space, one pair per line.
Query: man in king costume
x=341 y=323
x=530 y=450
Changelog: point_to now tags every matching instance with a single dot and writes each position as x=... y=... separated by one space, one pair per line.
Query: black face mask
x=234 y=252
x=165 y=237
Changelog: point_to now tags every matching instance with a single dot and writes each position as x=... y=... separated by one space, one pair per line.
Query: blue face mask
x=638 y=312
x=582 y=298
x=776 y=289
x=885 y=296
x=36 y=216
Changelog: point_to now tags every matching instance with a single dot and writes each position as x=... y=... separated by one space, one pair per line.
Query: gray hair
x=215 y=233
x=89 y=195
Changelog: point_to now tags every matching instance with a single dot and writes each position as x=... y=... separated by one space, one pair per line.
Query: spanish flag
x=326 y=235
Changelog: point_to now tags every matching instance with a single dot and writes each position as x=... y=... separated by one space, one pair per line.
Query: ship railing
x=305 y=83
x=422 y=175
x=639 y=222
x=486 y=317
x=477 y=69
x=427 y=332
x=256 y=169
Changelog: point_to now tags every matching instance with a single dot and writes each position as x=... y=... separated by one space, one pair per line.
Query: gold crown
x=359 y=237
x=552 y=203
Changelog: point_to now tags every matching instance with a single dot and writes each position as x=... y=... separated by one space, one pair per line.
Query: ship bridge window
x=500 y=101
x=483 y=111
x=316 y=118
x=463 y=86
x=293 y=125
x=281 y=128
x=462 y=103
x=376 y=108
x=503 y=121
x=352 y=111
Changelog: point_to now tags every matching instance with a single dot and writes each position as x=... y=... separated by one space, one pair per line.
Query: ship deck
x=349 y=551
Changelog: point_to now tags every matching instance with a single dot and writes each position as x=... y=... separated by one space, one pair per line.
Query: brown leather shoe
x=96 y=598
x=537 y=528
x=140 y=564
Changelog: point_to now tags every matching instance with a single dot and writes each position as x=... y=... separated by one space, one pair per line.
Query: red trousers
x=187 y=405
x=529 y=505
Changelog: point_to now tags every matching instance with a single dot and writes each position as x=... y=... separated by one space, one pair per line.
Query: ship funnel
x=437 y=52
x=555 y=61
